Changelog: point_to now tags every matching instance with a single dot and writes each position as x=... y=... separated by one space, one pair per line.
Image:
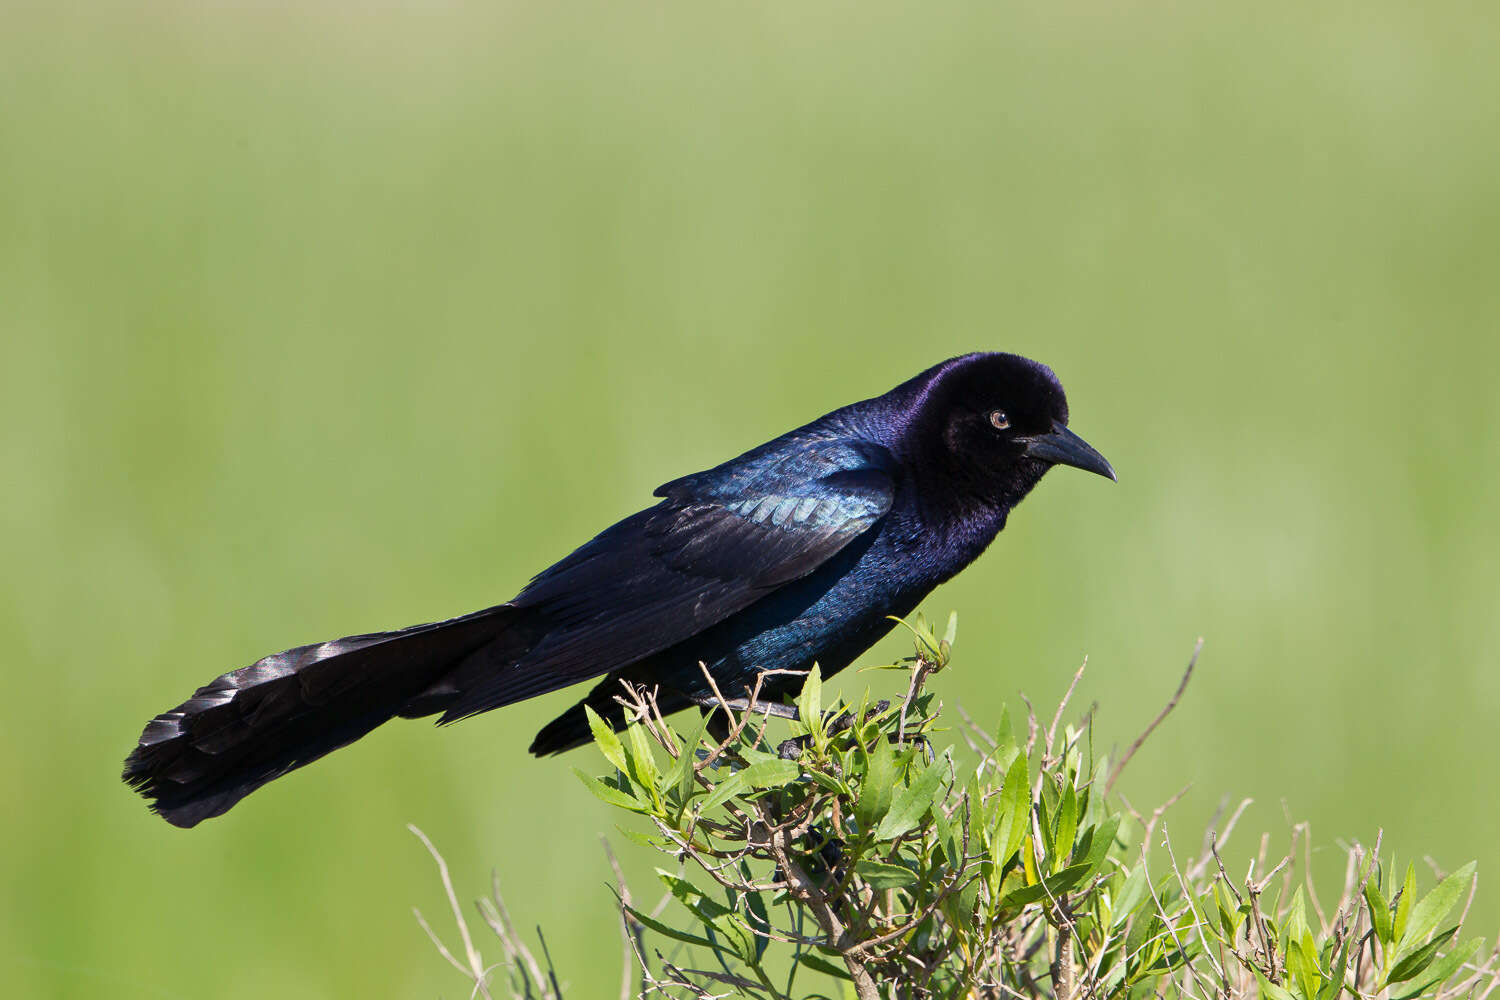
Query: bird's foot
x=791 y=749
x=774 y=709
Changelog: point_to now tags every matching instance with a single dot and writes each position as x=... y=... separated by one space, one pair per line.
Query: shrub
x=859 y=850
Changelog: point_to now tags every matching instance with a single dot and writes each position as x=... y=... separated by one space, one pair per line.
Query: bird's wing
x=718 y=542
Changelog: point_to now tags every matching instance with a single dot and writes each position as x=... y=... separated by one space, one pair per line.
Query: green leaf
x=752 y=755
x=1333 y=988
x=612 y=795
x=913 y=802
x=1439 y=973
x=1005 y=738
x=736 y=784
x=1380 y=911
x=714 y=915
x=1067 y=828
x=979 y=816
x=1096 y=842
x=1296 y=918
x=1147 y=927
x=1403 y=905
x=1426 y=915
x=1132 y=893
x=959 y=907
x=1048 y=887
x=765 y=774
x=947 y=838
x=1113 y=978
x=642 y=760
x=1413 y=963
x=772 y=773
x=883 y=666
x=1302 y=963
x=1046 y=816
x=687 y=764
x=651 y=923
x=660 y=844
x=1001 y=882
x=1014 y=807
x=819 y=964
x=1269 y=990
x=882 y=875
x=758 y=918
x=1228 y=916
x=825 y=780
x=810 y=701
x=607 y=741
x=1089 y=811
x=876 y=792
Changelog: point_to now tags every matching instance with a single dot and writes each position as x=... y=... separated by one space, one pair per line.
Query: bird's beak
x=1061 y=446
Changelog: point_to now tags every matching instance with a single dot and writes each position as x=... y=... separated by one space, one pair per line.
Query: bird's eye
x=999 y=420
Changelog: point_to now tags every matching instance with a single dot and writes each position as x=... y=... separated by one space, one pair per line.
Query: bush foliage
x=859 y=857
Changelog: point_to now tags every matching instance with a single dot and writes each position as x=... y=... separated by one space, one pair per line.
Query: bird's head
x=992 y=425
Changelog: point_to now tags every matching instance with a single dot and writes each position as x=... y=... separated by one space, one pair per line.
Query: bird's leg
x=719 y=725
x=845 y=718
x=774 y=709
x=791 y=749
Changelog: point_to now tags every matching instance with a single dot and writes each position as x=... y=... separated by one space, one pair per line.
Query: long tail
x=286 y=710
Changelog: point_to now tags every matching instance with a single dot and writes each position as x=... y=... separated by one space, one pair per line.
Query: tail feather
x=286 y=710
x=571 y=729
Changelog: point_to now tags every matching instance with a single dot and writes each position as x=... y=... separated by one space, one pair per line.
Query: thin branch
x=1167 y=710
x=475 y=969
x=1062 y=706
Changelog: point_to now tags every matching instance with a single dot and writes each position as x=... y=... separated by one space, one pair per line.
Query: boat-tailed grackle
x=798 y=551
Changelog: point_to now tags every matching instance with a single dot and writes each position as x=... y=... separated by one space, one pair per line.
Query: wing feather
x=718 y=542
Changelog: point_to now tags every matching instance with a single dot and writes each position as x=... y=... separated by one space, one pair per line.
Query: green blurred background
x=344 y=317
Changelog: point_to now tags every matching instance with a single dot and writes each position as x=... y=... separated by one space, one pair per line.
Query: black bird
x=796 y=552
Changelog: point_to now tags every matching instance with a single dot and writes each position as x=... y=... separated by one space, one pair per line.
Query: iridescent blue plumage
x=798 y=551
